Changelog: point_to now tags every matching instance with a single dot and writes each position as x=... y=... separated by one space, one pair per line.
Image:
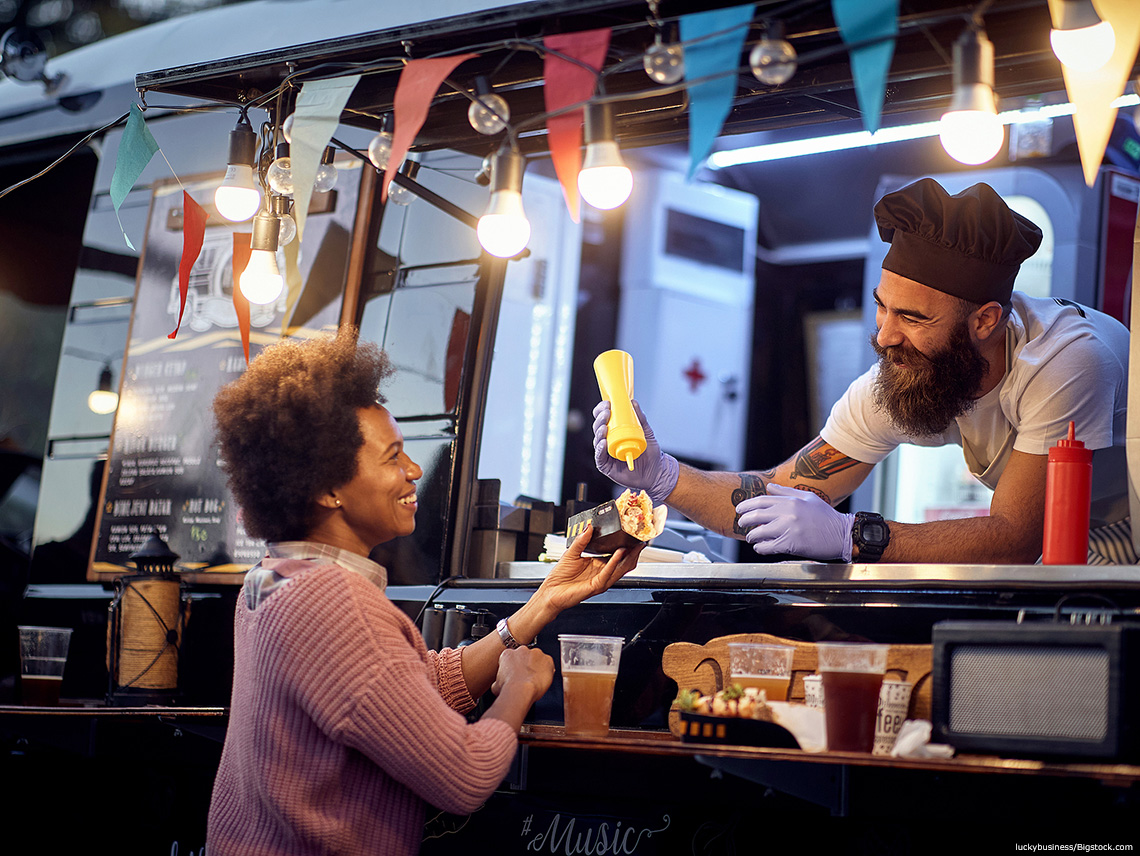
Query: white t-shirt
x=1063 y=362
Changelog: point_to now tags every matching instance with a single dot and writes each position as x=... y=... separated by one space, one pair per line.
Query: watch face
x=873 y=531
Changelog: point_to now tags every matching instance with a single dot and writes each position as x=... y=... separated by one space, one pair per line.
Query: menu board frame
x=163 y=475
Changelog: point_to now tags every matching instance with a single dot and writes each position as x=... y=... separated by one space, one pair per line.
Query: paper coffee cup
x=894 y=702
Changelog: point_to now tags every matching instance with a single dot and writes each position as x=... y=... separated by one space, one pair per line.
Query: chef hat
x=970 y=245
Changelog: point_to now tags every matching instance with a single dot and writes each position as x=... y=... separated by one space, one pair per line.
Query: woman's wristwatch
x=505 y=634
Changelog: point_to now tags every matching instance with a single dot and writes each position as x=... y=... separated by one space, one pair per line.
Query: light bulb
x=237 y=198
x=503 y=230
x=1085 y=48
x=399 y=195
x=261 y=281
x=280 y=176
x=380 y=150
x=287 y=128
x=663 y=63
x=287 y=231
x=326 y=173
x=971 y=136
x=489 y=114
x=773 y=61
x=103 y=400
x=326 y=178
x=604 y=181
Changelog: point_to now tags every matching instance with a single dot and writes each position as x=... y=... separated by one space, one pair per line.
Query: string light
x=970 y=130
x=604 y=180
x=237 y=198
x=279 y=176
x=503 y=230
x=282 y=208
x=665 y=64
x=326 y=173
x=380 y=147
x=261 y=281
x=397 y=193
x=773 y=59
x=1080 y=39
x=489 y=113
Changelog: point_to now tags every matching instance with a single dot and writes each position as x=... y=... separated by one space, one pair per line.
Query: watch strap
x=505 y=634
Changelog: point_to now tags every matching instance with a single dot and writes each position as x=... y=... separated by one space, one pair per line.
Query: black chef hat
x=970 y=245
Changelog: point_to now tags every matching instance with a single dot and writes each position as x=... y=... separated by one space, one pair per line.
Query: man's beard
x=925 y=394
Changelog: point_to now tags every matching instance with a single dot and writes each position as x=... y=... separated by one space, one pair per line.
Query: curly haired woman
x=343 y=726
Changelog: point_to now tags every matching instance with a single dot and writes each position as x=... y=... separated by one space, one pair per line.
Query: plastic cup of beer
x=589 y=671
x=852 y=674
x=766 y=667
x=43 y=654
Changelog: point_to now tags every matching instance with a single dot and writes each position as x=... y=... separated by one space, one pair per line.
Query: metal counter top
x=888 y=575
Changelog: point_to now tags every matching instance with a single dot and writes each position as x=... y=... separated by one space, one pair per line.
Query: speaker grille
x=1029 y=691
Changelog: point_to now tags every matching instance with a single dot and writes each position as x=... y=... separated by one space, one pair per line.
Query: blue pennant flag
x=713 y=44
x=859 y=21
x=136 y=148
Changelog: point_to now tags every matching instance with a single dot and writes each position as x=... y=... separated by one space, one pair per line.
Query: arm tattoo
x=751 y=484
x=819 y=461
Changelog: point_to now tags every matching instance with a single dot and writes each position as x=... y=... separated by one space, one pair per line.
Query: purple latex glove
x=797 y=522
x=653 y=471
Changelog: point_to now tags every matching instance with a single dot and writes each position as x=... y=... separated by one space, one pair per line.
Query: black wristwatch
x=871 y=535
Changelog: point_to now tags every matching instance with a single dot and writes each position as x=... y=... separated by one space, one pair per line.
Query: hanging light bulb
x=504 y=230
x=665 y=64
x=773 y=59
x=489 y=113
x=1080 y=39
x=237 y=198
x=604 y=181
x=326 y=172
x=282 y=208
x=397 y=193
x=970 y=130
x=280 y=173
x=380 y=149
x=287 y=128
x=261 y=281
x=103 y=399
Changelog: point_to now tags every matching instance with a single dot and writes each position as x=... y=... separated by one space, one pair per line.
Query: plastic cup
x=852 y=676
x=766 y=667
x=589 y=671
x=43 y=654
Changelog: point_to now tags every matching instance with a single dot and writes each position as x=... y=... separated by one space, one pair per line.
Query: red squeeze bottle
x=1068 y=489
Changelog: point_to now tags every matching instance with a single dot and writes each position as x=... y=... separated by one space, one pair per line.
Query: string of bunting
x=574 y=73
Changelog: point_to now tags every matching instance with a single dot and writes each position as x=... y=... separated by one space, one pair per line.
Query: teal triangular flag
x=136 y=148
x=707 y=54
x=863 y=20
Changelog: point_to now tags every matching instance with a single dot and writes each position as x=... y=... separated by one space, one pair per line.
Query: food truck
x=738 y=277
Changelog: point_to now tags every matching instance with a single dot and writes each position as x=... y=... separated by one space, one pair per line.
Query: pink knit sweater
x=343 y=725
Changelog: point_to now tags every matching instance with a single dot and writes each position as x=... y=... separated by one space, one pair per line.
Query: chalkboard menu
x=162 y=473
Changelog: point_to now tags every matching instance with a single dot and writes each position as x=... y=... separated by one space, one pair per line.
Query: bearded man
x=964 y=360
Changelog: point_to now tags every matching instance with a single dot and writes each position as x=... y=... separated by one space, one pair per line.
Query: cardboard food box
x=608 y=532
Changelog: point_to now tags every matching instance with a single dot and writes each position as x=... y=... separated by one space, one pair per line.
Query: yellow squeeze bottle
x=626 y=439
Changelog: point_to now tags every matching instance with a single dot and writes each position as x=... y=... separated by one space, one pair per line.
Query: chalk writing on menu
x=163 y=474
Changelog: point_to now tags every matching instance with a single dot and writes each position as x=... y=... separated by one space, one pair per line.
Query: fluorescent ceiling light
x=863 y=139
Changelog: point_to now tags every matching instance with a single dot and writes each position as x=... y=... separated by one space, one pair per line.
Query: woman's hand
x=524 y=665
x=576 y=577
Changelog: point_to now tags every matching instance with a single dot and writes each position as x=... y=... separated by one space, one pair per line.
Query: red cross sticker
x=695 y=376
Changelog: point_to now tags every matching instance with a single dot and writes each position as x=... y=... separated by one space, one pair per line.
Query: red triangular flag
x=419 y=81
x=568 y=83
x=241 y=303
x=193 y=232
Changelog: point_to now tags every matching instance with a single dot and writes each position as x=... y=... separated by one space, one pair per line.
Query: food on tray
x=734 y=700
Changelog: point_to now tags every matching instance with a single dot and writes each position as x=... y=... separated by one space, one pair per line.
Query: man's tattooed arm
x=820 y=461
x=751 y=484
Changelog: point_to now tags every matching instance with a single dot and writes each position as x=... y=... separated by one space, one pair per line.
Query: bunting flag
x=419 y=81
x=241 y=303
x=136 y=148
x=193 y=233
x=566 y=83
x=293 y=284
x=315 y=118
x=1092 y=92
x=860 y=21
x=713 y=43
